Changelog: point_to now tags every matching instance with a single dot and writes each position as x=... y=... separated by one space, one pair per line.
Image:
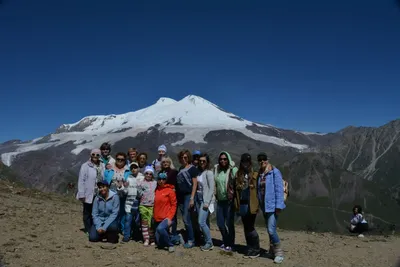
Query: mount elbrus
x=327 y=173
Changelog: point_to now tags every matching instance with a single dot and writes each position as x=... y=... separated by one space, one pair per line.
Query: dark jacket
x=252 y=201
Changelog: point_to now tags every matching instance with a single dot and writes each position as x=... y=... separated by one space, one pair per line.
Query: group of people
x=129 y=195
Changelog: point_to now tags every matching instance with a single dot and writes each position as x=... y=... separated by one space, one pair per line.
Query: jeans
x=271 y=220
x=226 y=222
x=111 y=233
x=203 y=216
x=87 y=216
x=187 y=221
x=121 y=214
x=162 y=235
x=174 y=231
x=250 y=233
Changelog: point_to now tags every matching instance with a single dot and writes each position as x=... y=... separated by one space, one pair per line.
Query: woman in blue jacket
x=271 y=198
x=105 y=213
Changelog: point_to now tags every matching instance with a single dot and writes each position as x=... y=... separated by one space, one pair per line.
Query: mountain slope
x=328 y=173
x=193 y=116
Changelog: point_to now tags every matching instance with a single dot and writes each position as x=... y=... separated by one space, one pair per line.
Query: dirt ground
x=43 y=230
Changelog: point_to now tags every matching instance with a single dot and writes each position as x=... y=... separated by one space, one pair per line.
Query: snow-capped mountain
x=192 y=116
x=334 y=170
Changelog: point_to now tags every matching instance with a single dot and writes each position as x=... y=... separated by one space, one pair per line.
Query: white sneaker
x=146 y=243
x=360 y=235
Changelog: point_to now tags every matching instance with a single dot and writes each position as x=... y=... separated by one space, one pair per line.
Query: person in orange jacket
x=165 y=205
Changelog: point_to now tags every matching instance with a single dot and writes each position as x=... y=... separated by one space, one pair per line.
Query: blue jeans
x=203 y=215
x=226 y=222
x=111 y=233
x=162 y=234
x=121 y=215
x=270 y=221
x=187 y=221
x=174 y=231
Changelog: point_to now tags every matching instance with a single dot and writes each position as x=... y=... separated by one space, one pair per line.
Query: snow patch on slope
x=193 y=116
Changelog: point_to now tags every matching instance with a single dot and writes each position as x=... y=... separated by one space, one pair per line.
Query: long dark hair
x=205 y=155
x=242 y=170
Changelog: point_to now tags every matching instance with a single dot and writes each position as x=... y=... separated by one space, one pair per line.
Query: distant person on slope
x=186 y=192
x=165 y=206
x=105 y=213
x=205 y=195
x=106 y=158
x=246 y=203
x=224 y=173
x=358 y=224
x=271 y=199
x=146 y=191
x=91 y=172
x=132 y=156
x=116 y=176
x=142 y=160
x=132 y=215
x=168 y=170
x=162 y=151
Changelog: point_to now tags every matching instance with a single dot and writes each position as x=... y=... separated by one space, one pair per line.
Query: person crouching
x=358 y=224
x=105 y=214
x=165 y=205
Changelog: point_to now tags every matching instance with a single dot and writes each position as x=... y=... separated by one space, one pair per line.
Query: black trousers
x=251 y=235
x=87 y=216
x=360 y=228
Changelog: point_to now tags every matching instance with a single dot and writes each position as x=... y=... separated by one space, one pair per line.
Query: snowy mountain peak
x=192 y=116
x=166 y=101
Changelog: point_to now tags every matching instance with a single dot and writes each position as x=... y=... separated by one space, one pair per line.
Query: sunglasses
x=203 y=161
x=134 y=167
x=95 y=155
x=148 y=174
x=262 y=159
x=120 y=159
x=223 y=159
x=184 y=157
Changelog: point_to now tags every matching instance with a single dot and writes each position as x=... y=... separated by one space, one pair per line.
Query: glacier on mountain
x=193 y=116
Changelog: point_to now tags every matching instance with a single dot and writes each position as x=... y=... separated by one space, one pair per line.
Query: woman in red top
x=164 y=212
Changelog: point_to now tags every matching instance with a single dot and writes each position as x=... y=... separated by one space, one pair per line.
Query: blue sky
x=308 y=65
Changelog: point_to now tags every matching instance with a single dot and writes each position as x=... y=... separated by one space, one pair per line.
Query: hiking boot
x=252 y=254
x=207 y=247
x=124 y=240
x=278 y=259
x=188 y=245
x=171 y=249
x=278 y=253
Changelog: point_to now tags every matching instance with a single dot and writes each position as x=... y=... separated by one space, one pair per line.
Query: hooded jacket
x=164 y=203
x=105 y=211
x=224 y=179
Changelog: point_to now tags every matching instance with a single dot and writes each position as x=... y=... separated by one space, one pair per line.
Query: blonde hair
x=170 y=161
